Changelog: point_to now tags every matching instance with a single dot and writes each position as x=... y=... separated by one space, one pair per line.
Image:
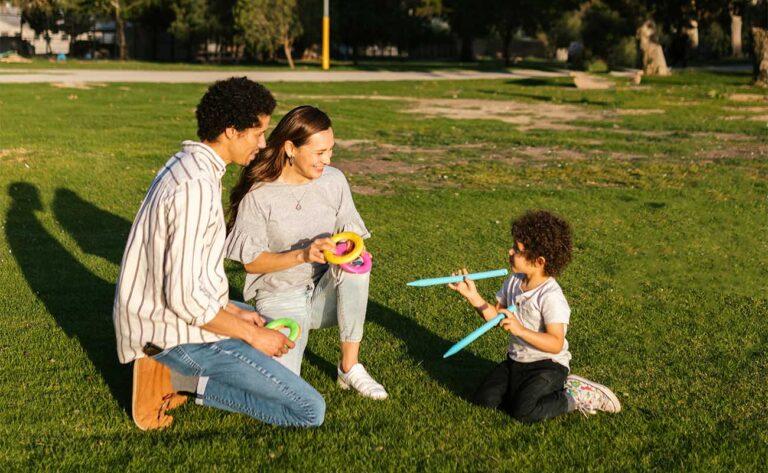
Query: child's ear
x=541 y=262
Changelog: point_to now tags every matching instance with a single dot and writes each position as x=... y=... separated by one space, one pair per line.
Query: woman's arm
x=268 y=262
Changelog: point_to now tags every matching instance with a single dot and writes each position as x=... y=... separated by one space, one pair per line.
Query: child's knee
x=485 y=398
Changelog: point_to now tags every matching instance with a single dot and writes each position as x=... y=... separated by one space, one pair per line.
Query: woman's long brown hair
x=296 y=126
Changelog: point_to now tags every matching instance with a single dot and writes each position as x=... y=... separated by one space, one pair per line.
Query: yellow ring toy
x=277 y=324
x=347 y=257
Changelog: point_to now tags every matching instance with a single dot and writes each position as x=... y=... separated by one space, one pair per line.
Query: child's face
x=519 y=263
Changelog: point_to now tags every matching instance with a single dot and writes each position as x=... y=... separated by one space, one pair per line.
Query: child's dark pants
x=529 y=392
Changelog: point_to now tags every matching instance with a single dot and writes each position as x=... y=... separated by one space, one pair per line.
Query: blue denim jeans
x=339 y=298
x=236 y=377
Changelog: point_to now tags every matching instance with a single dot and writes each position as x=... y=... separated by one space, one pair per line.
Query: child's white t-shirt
x=542 y=305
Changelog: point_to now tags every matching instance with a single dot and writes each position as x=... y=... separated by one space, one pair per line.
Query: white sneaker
x=590 y=396
x=359 y=379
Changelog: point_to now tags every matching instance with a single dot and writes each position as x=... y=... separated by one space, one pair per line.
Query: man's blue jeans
x=236 y=377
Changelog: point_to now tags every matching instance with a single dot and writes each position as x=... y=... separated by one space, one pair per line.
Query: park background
x=662 y=176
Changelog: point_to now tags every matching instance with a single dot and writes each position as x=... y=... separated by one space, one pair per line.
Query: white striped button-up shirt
x=172 y=279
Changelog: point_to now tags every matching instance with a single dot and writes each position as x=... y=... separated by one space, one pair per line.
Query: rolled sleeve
x=248 y=237
x=189 y=215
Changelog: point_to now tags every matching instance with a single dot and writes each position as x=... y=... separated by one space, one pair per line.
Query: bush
x=566 y=30
x=715 y=43
x=624 y=54
x=597 y=65
x=602 y=29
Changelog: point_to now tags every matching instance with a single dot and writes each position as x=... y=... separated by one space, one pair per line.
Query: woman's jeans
x=339 y=298
x=236 y=377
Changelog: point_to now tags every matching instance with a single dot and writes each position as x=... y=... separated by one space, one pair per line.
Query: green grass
x=667 y=284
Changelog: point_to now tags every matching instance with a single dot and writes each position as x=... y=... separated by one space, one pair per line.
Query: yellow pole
x=326 y=37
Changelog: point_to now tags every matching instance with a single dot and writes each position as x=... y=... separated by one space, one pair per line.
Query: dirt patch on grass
x=728 y=149
x=526 y=116
x=14 y=155
x=640 y=111
x=748 y=97
x=77 y=85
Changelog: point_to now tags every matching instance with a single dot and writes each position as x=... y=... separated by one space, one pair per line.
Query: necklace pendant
x=298 y=206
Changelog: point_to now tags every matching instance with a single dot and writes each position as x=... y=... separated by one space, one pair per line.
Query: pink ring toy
x=361 y=265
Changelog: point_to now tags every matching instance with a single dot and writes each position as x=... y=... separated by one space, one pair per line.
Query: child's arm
x=550 y=341
x=468 y=289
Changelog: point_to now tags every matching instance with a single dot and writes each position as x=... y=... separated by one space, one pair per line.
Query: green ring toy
x=277 y=324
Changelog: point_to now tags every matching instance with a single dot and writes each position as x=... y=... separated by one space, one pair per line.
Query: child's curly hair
x=544 y=234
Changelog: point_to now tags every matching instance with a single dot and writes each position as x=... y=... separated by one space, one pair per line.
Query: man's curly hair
x=544 y=234
x=236 y=102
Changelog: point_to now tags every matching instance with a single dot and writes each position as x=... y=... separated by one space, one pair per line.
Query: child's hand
x=510 y=323
x=466 y=287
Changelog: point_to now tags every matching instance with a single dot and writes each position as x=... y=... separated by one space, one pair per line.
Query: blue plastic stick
x=451 y=279
x=477 y=333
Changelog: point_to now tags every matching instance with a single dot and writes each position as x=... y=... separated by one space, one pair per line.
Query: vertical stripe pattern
x=172 y=279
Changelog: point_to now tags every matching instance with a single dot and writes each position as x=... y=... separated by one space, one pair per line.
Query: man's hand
x=314 y=252
x=466 y=287
x=250 y=316
x=269 y=342
x=510 y=323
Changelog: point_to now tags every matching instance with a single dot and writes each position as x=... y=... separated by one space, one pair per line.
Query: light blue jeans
x=339 y=298
x=236 y=377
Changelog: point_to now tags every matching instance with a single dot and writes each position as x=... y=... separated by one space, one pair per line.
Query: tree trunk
x=736 y=35
x=760 y=40
x=692 y=34
x=654 y=63
x=507 y=39
x=122 y=48
x=287 y=48
x=467 y=48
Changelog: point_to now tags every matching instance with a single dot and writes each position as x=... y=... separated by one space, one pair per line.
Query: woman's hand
x=466 y=287
x=510 y=323
x=314 y=252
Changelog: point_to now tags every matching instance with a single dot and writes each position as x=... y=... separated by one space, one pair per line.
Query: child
x=532 y=383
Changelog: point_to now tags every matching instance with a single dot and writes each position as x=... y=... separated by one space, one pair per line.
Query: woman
x=286 y=204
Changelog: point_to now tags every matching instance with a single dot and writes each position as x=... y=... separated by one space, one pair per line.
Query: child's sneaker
x=590 y=396
x=357 y=377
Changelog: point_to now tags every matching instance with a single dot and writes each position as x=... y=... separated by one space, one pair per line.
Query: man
x=172 y=314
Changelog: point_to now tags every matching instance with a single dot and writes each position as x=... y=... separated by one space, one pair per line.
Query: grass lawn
x=664 y=184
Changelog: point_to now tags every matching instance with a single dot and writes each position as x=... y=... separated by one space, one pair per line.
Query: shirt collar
x=196 y=148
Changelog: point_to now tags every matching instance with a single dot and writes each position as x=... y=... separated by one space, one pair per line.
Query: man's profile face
x=245 y=145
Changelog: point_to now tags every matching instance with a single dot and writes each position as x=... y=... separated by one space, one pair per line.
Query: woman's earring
x=290 y=160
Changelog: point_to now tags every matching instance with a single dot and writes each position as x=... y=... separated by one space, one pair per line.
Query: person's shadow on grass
x=80 y=301
x=460 y=373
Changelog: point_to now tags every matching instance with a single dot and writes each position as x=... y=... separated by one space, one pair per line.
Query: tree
x=77 y=17
x=267 y=25
x=42 y=16
x=528 y=16
x=469 y=19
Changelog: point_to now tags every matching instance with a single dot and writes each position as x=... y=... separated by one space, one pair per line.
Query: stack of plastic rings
x=350 y=253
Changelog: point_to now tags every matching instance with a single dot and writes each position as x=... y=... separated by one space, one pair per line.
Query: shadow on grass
x=460 y=374
x=80 y=301
x=581 y=100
